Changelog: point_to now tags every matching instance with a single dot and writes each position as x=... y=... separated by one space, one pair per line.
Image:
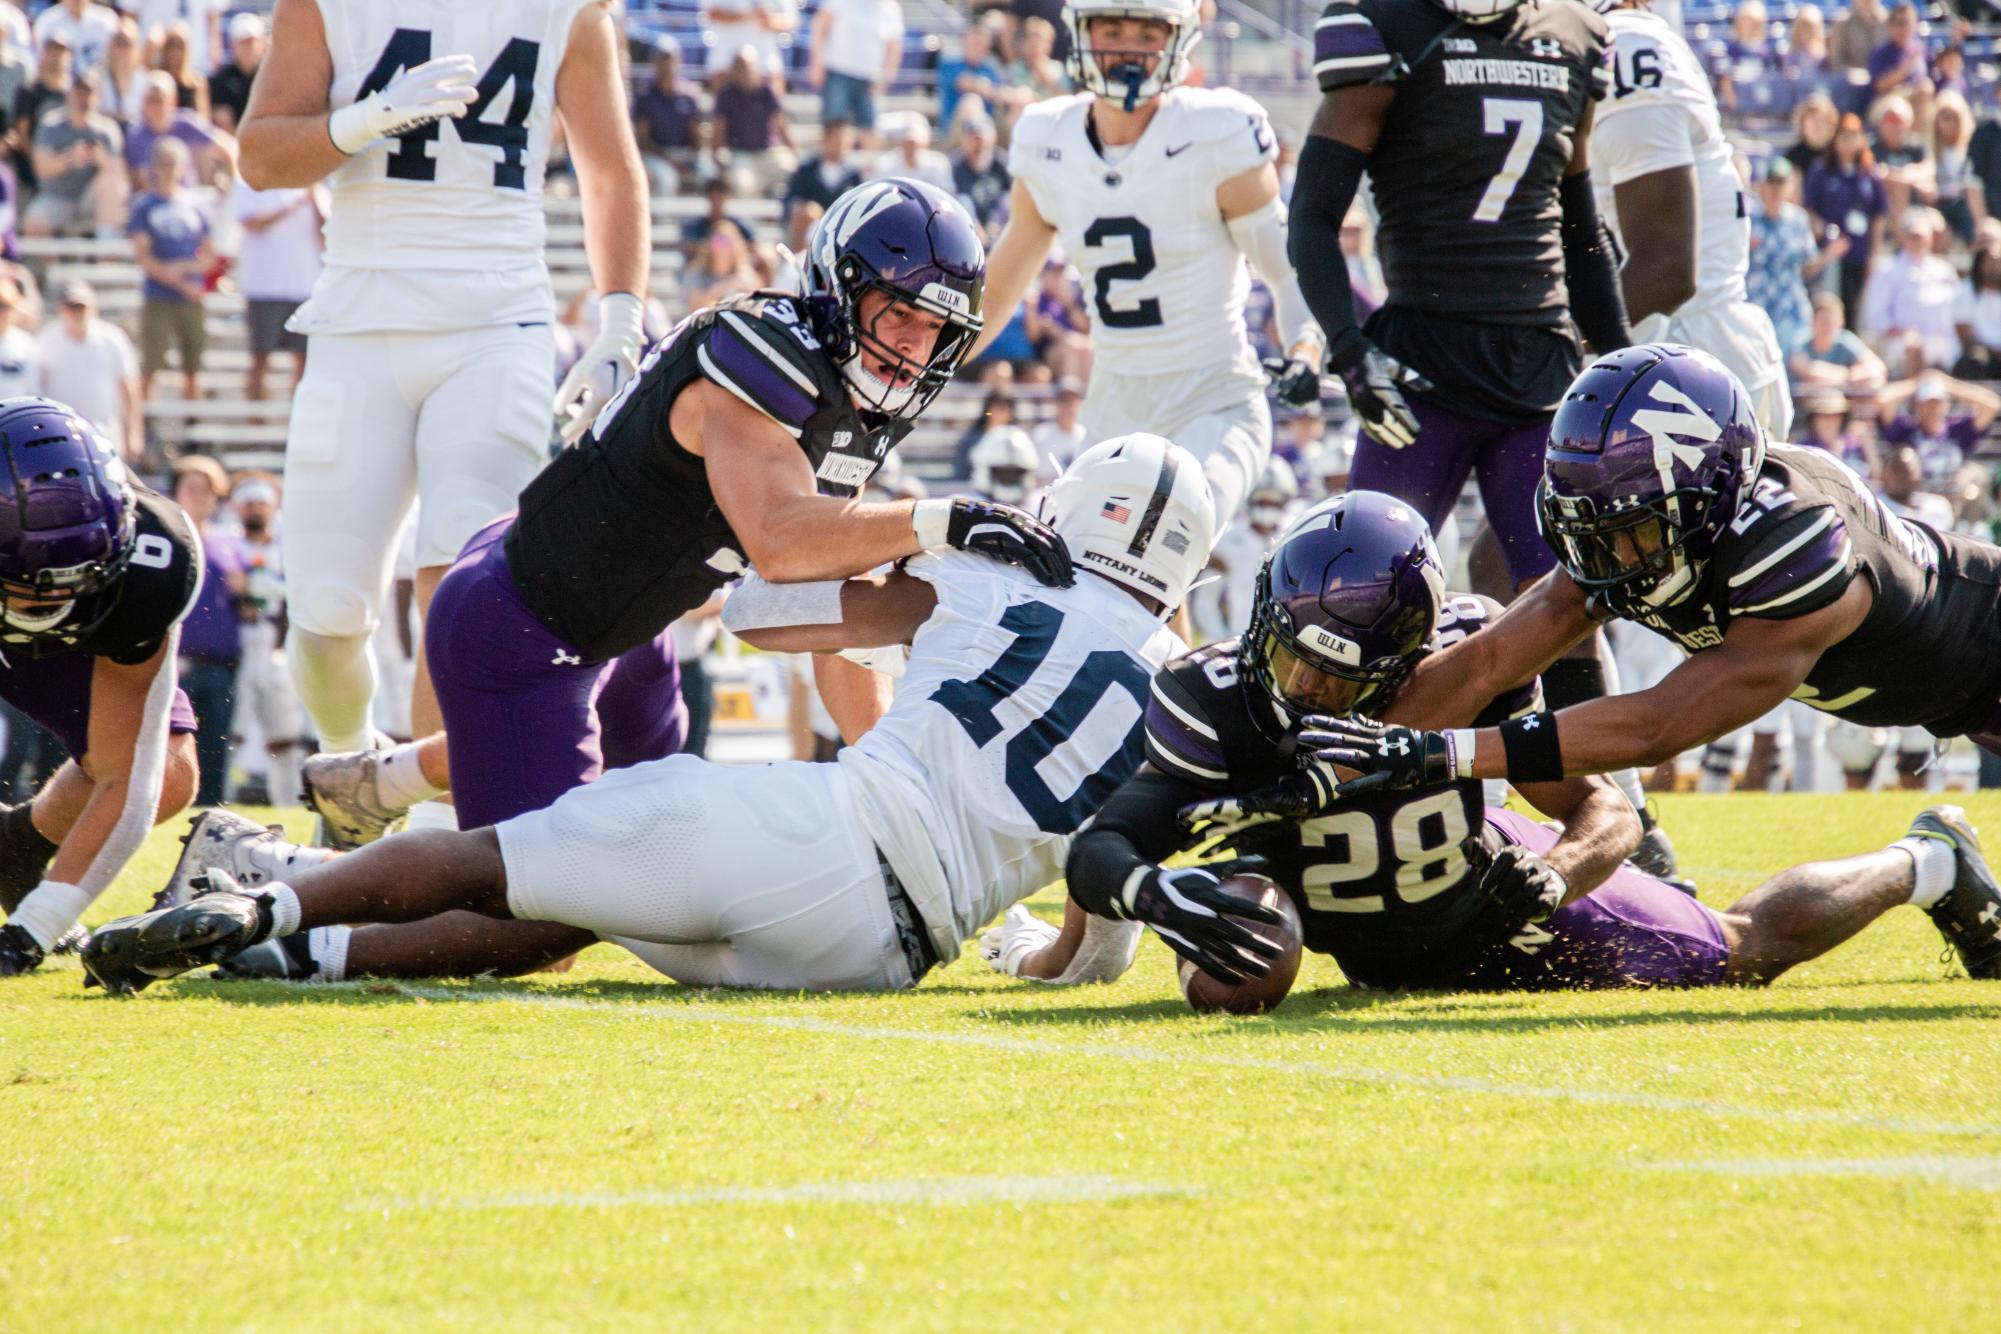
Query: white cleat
x=220 y=840
x=342 y=790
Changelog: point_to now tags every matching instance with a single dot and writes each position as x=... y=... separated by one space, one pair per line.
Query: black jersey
x=1929 y=652
x=157 y=589
x=1382 y=882
x=1473 y=147
x=621 y=535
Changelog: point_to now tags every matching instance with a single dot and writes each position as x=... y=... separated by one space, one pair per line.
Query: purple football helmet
x=915 y=244
x=1346 y=605
x=1652 y=452
x=66 y=533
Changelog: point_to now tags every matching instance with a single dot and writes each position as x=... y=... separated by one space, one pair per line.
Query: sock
x=50 y=910
x=1935 y=862
x=399 y=779
x=432 y=815
x=284 y=907
x=1628 y=781
x=328 y=946
x=25 y=853
x=336 y=681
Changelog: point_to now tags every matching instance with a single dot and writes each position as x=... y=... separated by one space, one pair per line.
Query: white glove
x=605 y=366
x=1104 y=954
x=435 y=90
x=1020 y=934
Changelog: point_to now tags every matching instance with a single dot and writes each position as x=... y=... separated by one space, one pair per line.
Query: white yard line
x=935 y=1191
x=684 y=1013
x=1973 y=1173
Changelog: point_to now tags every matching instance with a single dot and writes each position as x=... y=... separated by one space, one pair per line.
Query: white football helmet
x=1278 y=484
x=1137 y=510
x=1128 y=81
x=1004 y=463
x=1480 y=11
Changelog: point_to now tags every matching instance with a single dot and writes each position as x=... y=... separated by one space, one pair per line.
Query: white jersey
x=1661 y=115
x=1018 y=713
x=1163 y=278
x=443 y=227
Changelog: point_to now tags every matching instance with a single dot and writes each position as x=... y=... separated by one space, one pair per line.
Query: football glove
x=1202 y=922
x=1020 y=934
x=1524 y=886
x=1294 y=383
x=1003 y=533
x=1376 y=382
x=1292 y=797
x=1103 y=955
x=1388 y=758
x=605 y=367
x=438 y=89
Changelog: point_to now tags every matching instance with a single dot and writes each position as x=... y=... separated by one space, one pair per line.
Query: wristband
x=1460 y=743
x=931 y=520
x=1534 y=754
x=348 y=128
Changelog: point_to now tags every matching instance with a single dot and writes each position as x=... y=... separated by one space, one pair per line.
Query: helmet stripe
x=1155 y=507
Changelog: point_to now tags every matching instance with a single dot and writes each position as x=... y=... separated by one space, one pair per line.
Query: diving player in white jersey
x=1018 y=712
x=1159 y=194
x=430 y=367
x=1669 y=187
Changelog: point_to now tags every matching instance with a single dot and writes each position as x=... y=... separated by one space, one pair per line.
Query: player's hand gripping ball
x=1256 y=995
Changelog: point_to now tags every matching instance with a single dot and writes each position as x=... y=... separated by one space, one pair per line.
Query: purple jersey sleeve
x=1180 y=739
x=1347 y=48
x=753 y=357
x=1796 y=564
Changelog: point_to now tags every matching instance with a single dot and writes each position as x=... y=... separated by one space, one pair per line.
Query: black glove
x=1189 y=909
x=18 y=951
x=1014 y=536
x=1388 y=758
x=1295 y=383
x=1376 y=382
x=1521 y=884
x=1292 y=797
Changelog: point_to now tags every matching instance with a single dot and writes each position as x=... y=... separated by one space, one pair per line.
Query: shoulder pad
x=1788 y=563
x=764 y=352
x=1182 y=738
x=1349 y=49
x=1234 y=131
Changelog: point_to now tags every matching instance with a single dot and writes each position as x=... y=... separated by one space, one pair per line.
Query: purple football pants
x=1632 y=931
x=55 y=692
x=1429 y=474
x=527 y=715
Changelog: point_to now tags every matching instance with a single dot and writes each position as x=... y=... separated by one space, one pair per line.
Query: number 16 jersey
x=442 y=228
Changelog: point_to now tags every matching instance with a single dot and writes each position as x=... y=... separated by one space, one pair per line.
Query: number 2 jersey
x=1163 y=278
x=1382 y=882
x=1019 y=712
x=1928 y=654
x=442 y=228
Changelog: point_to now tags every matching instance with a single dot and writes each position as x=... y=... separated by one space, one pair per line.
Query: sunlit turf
x=603 y=1149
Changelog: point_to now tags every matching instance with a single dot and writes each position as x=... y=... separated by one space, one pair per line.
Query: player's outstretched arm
x=1017 y=257
x=1451 y=688
x=873 y=611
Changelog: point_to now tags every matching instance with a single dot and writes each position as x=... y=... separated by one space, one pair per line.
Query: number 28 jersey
x=1164 y=280
x=1020 y=711
x=452 y=210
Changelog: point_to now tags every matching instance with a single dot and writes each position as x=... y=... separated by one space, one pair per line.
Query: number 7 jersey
x=452 y=211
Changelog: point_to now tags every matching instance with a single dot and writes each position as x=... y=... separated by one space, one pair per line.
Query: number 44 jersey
x=1019 y=712
x=442 y=228
x=1163 y=279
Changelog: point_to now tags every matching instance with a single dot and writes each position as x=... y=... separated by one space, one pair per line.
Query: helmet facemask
x=1128 y=80
x=1300 y=676
x=859 y=339
x=1637 y=556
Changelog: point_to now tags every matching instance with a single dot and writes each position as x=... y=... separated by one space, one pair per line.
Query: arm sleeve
x=1136 y=828
x=1261 y=238
x=1797 y=565
x=753 y=357
x=1329 y=174
x=1590 y=269
x=1634 y=140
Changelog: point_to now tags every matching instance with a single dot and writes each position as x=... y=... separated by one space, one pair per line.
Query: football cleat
x=19 y=951
x=279 y=959
x=1969 y=916
x=70 y=941
x=1655 y=855
x=342 y=790
x=216 y=840
x=130 y=954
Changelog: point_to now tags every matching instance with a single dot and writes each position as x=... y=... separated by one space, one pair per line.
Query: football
x=1207 y=995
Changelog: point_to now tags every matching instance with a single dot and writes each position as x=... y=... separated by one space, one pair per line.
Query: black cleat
x=131 y=953
x=1655 y=855
x=1969 y=916
x=19 y=951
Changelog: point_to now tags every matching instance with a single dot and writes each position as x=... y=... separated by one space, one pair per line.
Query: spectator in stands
x=76 y=161
x=912 y=154
x=276 y=265
x=212 y=634
x=85 y=28
x=996 y=410
x=264 y=692
x=1060 y=437
x=1814 y=123
x=1301 y=442
x=171 y=240
x=36 y=98
x=1747 y=55
x=91 y=365
x=15 y=32
x=761 y=25
x=1953 y=188
x=1949 y=69
x=1898 y=64
x=1983 y=158
x=1903 y=488
x=695 y=232
x=1782 y=248
x=1900 y=157
x=1845 y=197
x=667 y=120
x=160 y=118
x=856 y=50
x=123 y=81
x=721 y=268
x=173 y=60
x=1058 y=327
x=973 y=72
x=20 y=351
x=979 y=177
x=1827 y=426
x=1857 y=34
x=1908 y=309
x=229 y=87
x=1832 y=356
x=1944 y=423
x=828 y=174
x=1976 y=317
x=750 y=121
x=1805 y=58
x=1035 y=73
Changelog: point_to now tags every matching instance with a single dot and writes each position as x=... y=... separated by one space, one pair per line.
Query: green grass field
x=601 y=1149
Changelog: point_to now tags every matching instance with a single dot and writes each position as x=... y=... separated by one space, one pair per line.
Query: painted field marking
x=1973 y=1173
x=1143 y=1055
x=940 y=1191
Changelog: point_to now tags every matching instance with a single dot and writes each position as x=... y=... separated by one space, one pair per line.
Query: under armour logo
x=1531 y=939
x=1530 y=723
x=1393 y=745
x=563 y=659
x=1990 y=916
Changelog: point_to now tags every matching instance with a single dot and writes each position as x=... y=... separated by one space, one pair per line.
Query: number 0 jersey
x=1018 y=714
x=621 y=535
x=443 y=227
x=1929 y=652
x=1163 y=278
x=1382 y=882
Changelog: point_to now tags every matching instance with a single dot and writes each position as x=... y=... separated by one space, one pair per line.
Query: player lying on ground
x=96 y=573
x=1018 y=712
x=1776 y=567
x=1424 y=888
